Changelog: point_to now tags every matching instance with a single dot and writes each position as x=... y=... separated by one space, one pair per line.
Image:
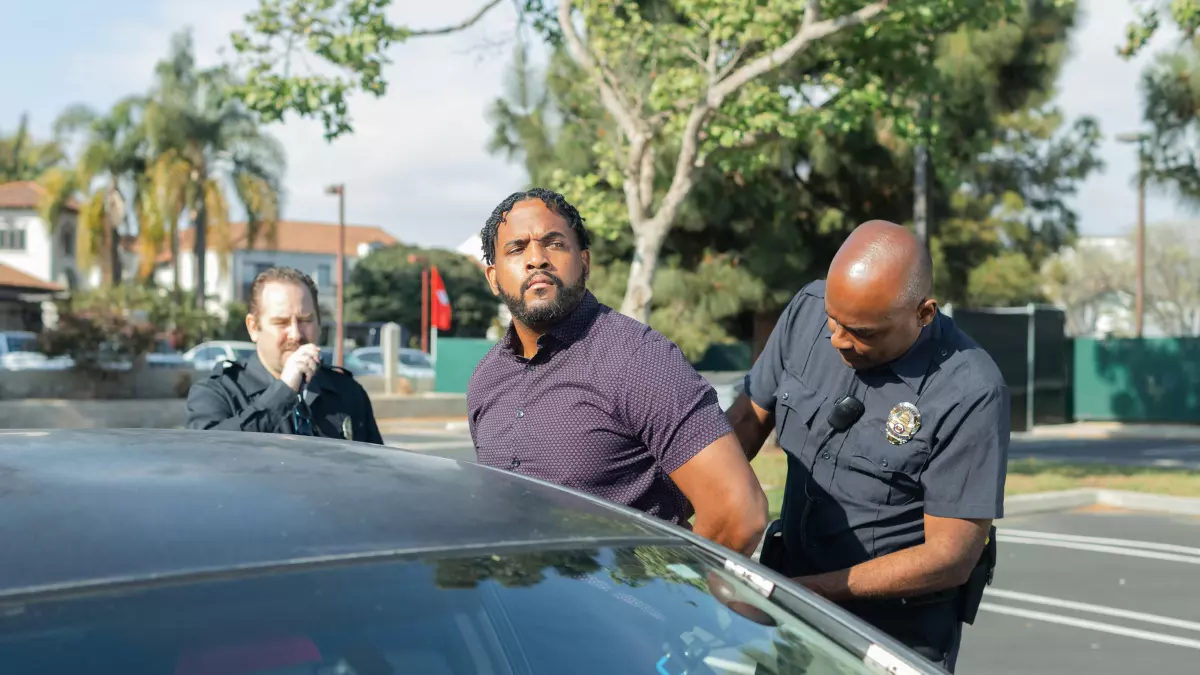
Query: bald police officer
x=896 y=429
x=283 y=388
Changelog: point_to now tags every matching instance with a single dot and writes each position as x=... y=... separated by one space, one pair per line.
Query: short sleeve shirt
x=607 y=406
x=856 y=495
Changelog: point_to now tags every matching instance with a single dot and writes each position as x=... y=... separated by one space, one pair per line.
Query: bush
x=93 y=337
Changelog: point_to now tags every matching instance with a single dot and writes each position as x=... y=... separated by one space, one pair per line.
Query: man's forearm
x=910 y=572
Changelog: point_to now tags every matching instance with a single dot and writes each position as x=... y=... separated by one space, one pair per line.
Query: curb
x=1046 y=502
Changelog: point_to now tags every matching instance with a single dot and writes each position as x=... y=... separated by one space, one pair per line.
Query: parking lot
x=1091 y=591
x=1096 y=590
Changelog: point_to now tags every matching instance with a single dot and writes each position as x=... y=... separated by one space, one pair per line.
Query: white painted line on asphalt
x=1091 y=625
x=1094 y=609
x=1127 y=543
x=1115 y=550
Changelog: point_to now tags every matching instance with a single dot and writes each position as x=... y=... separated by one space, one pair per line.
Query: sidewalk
x=1110 y=430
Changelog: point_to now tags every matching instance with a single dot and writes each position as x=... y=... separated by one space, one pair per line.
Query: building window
x=12 y=236
x=324 y=276
x=68 y=241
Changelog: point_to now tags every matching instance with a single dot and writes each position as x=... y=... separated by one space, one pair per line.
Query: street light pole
x=340 y=275
x=1139 y=306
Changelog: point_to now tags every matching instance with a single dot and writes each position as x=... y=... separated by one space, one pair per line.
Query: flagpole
x=433 y=346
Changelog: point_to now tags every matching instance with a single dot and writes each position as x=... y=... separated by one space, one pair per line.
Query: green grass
x=1027 y=476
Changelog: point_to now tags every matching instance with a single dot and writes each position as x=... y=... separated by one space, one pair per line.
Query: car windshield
x=21 y=343
x=369 y=357
x=645 y=609
x=415 y=359
x=242 y=353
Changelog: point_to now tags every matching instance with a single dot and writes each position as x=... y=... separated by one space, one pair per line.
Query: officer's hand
x=300 y=366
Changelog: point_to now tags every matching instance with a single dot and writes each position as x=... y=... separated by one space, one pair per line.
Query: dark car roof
x=107 y=505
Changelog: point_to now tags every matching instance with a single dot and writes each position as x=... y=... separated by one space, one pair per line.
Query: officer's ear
x=927 y=311
x=252 y=327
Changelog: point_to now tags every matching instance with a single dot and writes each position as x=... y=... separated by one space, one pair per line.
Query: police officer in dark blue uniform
x=896 y=429
x=283 y=388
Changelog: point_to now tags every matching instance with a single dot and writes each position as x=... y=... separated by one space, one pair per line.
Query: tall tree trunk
x=201 y=243
x=115 y=214
x=647 y=245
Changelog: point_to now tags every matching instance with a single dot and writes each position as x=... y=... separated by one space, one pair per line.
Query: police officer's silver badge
x=902 y=423
x=347 y=429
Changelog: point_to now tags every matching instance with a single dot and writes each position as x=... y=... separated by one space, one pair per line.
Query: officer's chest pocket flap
x=885 y=474
x=796 y=408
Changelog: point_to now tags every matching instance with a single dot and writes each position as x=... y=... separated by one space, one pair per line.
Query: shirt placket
x=524 y=386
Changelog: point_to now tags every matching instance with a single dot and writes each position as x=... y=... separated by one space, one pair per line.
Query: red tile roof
x=26 y=194
x=15 y=278
x=294 y=236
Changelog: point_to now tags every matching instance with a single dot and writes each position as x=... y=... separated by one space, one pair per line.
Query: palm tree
x=111 y=159
x=23 y=158
x=205 y=143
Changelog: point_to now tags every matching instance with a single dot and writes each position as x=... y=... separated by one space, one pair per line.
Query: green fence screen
x=1148 y=380
x=456 y=360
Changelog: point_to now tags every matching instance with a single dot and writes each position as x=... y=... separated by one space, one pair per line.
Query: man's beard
x=546 y=314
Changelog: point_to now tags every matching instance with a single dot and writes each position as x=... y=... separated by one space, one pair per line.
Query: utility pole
x=1139 y=138
x=340 y=275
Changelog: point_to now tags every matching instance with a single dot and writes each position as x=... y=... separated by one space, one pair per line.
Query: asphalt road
x=1166 y=453
x=1095 y=591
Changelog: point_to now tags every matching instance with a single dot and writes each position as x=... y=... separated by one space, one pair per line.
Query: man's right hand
x=300 y=366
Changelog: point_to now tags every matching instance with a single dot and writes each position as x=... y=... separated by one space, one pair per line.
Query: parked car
x=205 y=355
x=190 y=552
x=413 y=364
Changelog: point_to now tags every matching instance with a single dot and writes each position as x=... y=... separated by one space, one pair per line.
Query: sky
x=418 y=164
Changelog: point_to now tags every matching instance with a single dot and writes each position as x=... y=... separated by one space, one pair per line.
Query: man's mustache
x=540 y=277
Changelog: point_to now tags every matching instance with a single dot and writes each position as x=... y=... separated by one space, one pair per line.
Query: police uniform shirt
x=856 y=495
x=243 y=396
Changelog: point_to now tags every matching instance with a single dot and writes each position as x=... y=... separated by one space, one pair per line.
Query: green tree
x=205 y=146
x=1170 y=96
x=112 y=157
x=685 y=84
x=24 y=158
x=1006 y=163
x=386 y=286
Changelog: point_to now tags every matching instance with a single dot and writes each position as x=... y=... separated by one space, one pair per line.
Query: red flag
x=439 y=314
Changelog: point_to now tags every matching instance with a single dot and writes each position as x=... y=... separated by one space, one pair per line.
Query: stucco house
x=307 y=246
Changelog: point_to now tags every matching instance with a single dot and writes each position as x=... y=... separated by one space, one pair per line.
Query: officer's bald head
x=878 y=293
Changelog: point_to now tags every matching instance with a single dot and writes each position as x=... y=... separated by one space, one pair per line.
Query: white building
x=307 y=246
x=29 y=246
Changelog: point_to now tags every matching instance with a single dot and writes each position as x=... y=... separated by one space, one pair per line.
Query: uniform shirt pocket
x=795 y=410
x=884 y=474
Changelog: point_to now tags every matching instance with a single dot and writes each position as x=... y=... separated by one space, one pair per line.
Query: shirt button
x=785 y=395
x=520 y=413
x=516 y=462
x=826 y=455
x=885 y=463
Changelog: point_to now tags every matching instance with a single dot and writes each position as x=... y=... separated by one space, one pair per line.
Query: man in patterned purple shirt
x=582 y=396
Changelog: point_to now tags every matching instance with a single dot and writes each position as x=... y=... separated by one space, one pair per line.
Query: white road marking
x=1091 y=625
x=1095 y=609
x=1097 y=548
x=1127 y=543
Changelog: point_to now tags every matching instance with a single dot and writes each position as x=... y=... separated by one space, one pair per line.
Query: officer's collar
x=257 y=378
x=913 y=366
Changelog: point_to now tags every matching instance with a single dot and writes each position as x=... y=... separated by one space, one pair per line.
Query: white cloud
x=417 y=163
